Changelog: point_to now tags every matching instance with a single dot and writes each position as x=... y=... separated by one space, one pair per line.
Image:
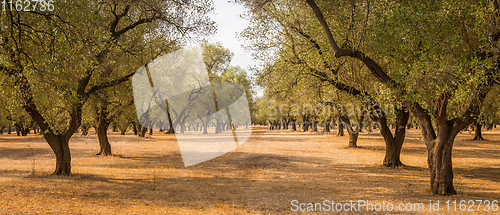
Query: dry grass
x=263 y=176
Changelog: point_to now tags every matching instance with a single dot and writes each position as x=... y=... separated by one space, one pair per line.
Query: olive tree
x=58 y=59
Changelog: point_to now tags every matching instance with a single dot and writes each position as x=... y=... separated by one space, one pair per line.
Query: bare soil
x=263 y=176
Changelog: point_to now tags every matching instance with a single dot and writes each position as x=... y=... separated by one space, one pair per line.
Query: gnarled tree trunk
x=103 y=123
x=60 y=146
x=478 y=135
x=439 y=160
x=353 y=134
x=440 y=144
x=102 y=136
x=394 y=144
x=340 y=131
x=353 y=139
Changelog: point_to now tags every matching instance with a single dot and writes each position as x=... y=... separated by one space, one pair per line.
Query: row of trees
x=436 y=60
x=68 y=70
x=54 y=63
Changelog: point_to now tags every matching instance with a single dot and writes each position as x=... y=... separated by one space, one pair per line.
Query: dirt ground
x=263 y=176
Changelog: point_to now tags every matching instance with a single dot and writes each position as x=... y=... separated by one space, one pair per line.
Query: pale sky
x=228 y=24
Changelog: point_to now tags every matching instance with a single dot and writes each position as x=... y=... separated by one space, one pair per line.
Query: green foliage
x=217 y=60
x=426 y=47
x=98 y=41
x=434 y=48
x=303 y=69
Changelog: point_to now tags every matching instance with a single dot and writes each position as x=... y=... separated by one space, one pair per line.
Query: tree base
x=170 y=131
x=104 y=154
x=394 y=164
x=478 y=138
x=62 y=171
x=444 y=191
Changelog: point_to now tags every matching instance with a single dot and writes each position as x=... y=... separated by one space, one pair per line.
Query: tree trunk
x=439 y=159
x=478 y=135
x=353 y=139
x=143 y=131
x=326 y=129
x=182 y=128
x=439 y=144
x=353 y=134
x=218 y=126
x=294 y=125
x=21 y=130
x=340 y=132
x=60 y=147
x=305 y=126
x=314 y=126
x=25 y=131
x=205 y=128
x=170 y=131
x=394 y=144
x=102 y=135
x=393 y=153
x=102 y=131
x=134 y=128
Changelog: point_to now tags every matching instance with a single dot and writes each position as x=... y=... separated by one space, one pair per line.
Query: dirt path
x=262 y=176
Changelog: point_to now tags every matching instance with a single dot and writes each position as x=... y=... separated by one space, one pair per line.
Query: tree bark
x=353 y=139
x=314 y=126
x=440 y=164
x=353 y=134
x=134 y=128
x=102 y=135
x=60 y=146
x=171 y=129
x=394 y=144
x=22 y=130
x=103 y=123
x=340 y=131
x=326 y=129
x=143 y=131
x=294 y=125
x=218 y=126
x=440 y=144
x=478 y=135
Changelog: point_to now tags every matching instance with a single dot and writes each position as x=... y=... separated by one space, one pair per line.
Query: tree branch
x=94 y=89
